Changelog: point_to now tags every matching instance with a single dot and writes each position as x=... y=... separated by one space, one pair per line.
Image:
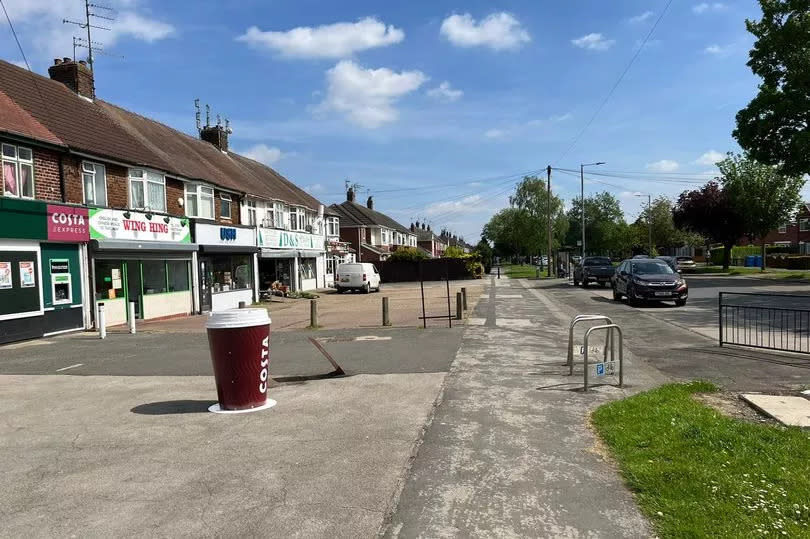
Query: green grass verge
x=698 y=473
x=769 y=273
x=516 y=271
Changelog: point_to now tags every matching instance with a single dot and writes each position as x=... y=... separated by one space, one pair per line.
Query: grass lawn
x=769 y=273
x=516 y=271
x=698 y=473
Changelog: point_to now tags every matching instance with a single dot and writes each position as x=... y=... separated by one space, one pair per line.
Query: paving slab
x=788 y=410
x=112 y=456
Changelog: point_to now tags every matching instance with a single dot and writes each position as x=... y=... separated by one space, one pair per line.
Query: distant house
x=453 y=240
x=428 y=240
x=373 y=235
x=794 y=232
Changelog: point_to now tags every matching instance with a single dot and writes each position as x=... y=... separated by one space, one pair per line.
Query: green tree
x=775 y=126
x=531 y=197
x=484 y=251
x=454 y=252
x=604 y=223
x=410 y=254
x=664 y=232
x=760 y=194
x=508 y=232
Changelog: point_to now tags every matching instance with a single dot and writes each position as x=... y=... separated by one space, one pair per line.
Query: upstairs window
x=298 y=219
x=199 y=201
x=332 y=226
x=18 y=171
x=278 y=215
x=804 y=225
x=225 y=205
x=783 y=228
x=251 y=212
x=147 y=190
x=94 y=180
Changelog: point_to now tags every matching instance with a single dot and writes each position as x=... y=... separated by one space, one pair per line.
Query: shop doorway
x=134 y=289
x=206 y=278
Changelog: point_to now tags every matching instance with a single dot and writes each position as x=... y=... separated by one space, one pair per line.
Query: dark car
x=649 y=280
x=673 y=263
x=594 y=269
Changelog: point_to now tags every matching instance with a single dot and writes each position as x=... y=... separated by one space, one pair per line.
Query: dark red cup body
x=241 y=359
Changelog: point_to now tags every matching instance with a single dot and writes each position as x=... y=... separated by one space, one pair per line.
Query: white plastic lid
x=238 y=318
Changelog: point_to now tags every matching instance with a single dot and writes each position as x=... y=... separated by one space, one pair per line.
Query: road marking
x=476 y=321
x=509 y=296
x=372 y=338
x=69 y=367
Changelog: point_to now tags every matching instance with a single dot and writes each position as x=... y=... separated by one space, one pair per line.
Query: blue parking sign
x=600 y=369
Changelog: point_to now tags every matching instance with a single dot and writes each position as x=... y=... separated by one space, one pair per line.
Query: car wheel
x=367 y=288
x=576 y=283
x=616 y=295
x=339 y=290
x=680 y=302
x=584 y=284
x=603 y=284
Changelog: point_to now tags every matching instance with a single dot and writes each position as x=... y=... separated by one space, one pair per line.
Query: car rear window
x=350 y=268
x=597 y=261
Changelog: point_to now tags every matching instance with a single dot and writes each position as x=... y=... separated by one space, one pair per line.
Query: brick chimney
x=370 y=203
x=350 y=195
x=75 y=75
x=216 y=135
x=423 y=226
x=413 y=228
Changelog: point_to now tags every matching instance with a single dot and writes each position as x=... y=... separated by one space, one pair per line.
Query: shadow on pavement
x=173 y=407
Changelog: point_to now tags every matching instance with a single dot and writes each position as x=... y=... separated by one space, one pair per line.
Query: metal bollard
x=499 y=272
x=458 y=305
x=132 y=317
x=313 y=313
x=385 y=315
x=101 y=322
x=242 y=304
x=464 y=297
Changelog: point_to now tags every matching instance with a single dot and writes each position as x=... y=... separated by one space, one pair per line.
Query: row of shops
x=58 y=263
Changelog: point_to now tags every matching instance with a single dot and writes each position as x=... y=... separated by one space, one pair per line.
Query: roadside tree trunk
x=763 y=253
x=727 y=255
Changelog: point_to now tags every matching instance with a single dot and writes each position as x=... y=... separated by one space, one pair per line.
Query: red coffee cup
x=239 y=340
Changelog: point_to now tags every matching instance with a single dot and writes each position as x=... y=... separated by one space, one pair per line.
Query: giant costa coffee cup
x=239 y=340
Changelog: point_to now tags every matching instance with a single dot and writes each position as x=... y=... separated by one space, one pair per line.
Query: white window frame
x=782 y=228
x=91 y=168
x=17 y=161
x=200 y=191
x=804 y=224
x=332 y=226
x=252 y=215
x=298 y=219
x=278 y=214
x=145 y=180
x=225 y=198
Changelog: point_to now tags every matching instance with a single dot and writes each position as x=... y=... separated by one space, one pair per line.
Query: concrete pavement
x=509 y=452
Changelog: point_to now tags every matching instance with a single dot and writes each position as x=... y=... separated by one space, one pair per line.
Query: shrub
x=454 y=252
x=408 y=254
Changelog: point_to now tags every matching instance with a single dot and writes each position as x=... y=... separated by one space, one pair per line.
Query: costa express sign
x=67 y=223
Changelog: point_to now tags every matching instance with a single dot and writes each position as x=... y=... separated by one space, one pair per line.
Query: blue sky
x=455 y=97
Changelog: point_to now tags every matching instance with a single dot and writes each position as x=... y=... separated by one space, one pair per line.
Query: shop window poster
x=27 y=279
x=5 y=275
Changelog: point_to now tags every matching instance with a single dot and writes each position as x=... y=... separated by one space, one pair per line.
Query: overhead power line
x=615 y=85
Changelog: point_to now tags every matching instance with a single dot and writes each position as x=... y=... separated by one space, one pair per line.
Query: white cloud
x=594 y=42
x=664 y=165
x=264 y=154
x=641 y=17
x=49 y=38
x=495 y=133
x=337 y=40
x=557 y=118
x=705 y=7
x=498 y=31
x=367 y=96
x=465 y=205
x=709 y=158
x=445 y=92
x=314 y=188
x=718 y=50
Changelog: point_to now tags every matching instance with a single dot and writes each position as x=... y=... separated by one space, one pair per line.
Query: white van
x=361 y=276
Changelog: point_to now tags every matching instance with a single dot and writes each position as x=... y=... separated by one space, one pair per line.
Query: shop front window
x=307 y=268
x=109 y=279
x=178 y=275
x=231 y=272
x=154 y=276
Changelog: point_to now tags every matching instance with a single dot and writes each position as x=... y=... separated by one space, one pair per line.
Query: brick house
x=373 y=235
x=427 y=240
x=793 y=233
x=171 y=220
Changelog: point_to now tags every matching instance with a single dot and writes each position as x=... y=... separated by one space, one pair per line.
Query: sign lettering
x=227 y=234
x=109 y=224
x=265 y=360
x=67 y=223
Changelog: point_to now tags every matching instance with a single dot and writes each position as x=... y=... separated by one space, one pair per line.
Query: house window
x=251 y=212
x=384 y=237
x=333 y=226
x=804 y=225
x=18 y=171
x=298 y=219
x=94 y=180
x=199 y=201
x=783 y=228
x=147 y=190
x=278 y=215
x=225 y=205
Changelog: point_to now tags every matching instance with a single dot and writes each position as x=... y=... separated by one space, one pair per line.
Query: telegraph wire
x=615 y=85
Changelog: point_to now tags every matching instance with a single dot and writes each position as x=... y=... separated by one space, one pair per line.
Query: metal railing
x=769 y=321
x=607 y=367
x=585 y=318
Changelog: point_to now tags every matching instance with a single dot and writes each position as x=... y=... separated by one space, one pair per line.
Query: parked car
x=637 y=257
x=361 y=276
x=594 y=269
x=670 y=260
x=649 y=280
x=685 y=263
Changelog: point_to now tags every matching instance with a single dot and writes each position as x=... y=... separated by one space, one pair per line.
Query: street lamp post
x=582 y=197
x=649 y=219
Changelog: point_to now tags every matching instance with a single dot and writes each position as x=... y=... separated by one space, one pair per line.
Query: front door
x=134 y=290
x=206 y=277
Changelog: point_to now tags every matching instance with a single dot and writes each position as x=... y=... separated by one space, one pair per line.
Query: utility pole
x=582 y=197
x=548 y=212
